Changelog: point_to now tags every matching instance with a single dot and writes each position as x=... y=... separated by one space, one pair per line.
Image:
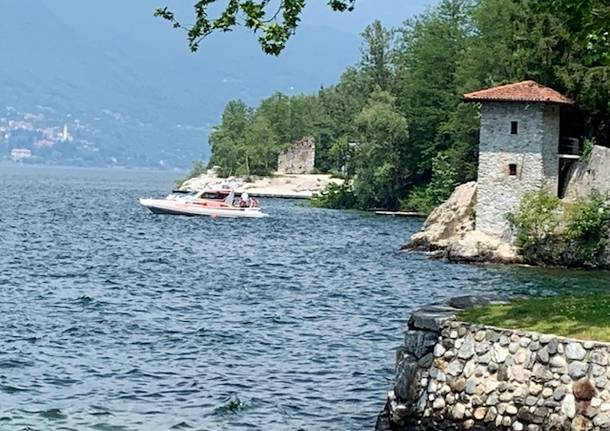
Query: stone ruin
x=298 y=158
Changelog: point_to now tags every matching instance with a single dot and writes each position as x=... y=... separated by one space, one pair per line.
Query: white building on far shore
x=19 y=154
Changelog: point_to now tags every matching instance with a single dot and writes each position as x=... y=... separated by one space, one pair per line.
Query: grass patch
x=585 y=317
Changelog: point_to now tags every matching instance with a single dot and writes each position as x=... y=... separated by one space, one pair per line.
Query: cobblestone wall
x=452 y=375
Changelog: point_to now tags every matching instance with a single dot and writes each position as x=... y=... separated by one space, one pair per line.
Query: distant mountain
x=127 y=87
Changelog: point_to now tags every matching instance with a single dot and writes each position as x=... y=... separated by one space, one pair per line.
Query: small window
x=514 y=127
x=512 y=169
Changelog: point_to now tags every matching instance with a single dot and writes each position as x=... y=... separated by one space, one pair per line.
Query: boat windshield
x=229 y=199
x=214 y=196
x=182 y=195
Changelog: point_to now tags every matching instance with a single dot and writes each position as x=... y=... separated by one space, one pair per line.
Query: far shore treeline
x=395 y=124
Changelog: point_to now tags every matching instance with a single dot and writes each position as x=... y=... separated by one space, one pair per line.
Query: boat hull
x=161 y=206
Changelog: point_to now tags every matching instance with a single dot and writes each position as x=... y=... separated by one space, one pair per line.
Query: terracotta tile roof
x=526 y=91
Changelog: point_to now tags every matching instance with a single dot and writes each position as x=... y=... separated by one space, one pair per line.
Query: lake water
x=116 y=319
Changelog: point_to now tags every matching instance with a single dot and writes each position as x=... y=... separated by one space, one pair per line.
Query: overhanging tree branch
x=275 y=26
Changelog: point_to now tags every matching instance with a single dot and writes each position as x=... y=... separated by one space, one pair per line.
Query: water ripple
x=115 y=319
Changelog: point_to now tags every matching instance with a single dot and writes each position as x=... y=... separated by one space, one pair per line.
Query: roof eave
x=499 y=100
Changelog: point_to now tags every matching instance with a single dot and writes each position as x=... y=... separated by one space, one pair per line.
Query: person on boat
x=245 y=200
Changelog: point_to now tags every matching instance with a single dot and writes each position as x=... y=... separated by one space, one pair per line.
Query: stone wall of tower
x=533 y=150
x=550 y=148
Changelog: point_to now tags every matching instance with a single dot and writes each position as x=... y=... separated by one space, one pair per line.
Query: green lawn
x=584 y=317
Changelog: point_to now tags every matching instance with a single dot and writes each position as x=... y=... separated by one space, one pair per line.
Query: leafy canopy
x=382 y=134
x=395 y=125
x=274 y=22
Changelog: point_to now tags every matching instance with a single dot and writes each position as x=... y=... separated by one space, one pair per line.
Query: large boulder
x=448 y=222
x=476 y=247
x=589 y=174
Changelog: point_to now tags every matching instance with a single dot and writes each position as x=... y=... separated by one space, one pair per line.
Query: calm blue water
x=116 y=319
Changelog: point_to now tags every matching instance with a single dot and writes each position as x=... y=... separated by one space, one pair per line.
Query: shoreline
x=278 y=186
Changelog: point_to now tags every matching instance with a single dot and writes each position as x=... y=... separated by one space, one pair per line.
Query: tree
x=277 y=110
x=275 y=23
x=428 y=57
x=376 y=56
x=581 y=57
x=492 y=29
x=260 y=148
x=227 y=139
x=339 y=105
x=381 y=172
x=587 y=21
x=427 y=197
x=342 y=154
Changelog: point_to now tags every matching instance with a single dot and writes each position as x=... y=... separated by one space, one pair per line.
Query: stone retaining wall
x=452 y=375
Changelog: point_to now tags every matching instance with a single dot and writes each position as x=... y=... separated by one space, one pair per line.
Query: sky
x=391 y=13
x=121 y=15
x=130 y=26
x=329 y=37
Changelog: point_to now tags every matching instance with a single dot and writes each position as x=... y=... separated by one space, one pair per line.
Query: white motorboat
x=211 y=203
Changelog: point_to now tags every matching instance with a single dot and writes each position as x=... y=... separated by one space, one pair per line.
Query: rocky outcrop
x=449 y=221
x=589 y=174
x=449 y=233
x=478 y=247
x=459 y=376
x=298 y=158
x=280 y=186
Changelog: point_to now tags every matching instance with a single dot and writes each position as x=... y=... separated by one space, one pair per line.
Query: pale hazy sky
x=390 y=12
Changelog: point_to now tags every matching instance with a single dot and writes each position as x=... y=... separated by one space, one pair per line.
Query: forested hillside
x=395 y=122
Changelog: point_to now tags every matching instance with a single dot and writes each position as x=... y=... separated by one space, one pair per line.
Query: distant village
x=51 y=136
x=35 y=138
x=41 y=135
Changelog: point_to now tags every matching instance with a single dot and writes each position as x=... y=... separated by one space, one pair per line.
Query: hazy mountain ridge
x=130 y=78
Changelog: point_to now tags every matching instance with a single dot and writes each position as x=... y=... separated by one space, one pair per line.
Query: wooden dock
x=401 y=214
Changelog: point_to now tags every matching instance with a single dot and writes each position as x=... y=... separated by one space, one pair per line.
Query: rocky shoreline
x=287 y=186
x=449 y=233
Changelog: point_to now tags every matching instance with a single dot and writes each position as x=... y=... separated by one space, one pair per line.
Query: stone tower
x=518 y=151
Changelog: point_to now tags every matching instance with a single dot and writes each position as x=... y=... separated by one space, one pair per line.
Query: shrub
x=588 y=228
x=337 y=174
x=587 y=148
x=425 y=198
x=536 y=220
x=336 y=196
x=551 y=233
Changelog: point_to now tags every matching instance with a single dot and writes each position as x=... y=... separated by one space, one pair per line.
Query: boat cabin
x=221 y=197
x=215 y=195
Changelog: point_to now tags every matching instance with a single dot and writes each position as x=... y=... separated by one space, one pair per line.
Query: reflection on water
x=116 y=319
